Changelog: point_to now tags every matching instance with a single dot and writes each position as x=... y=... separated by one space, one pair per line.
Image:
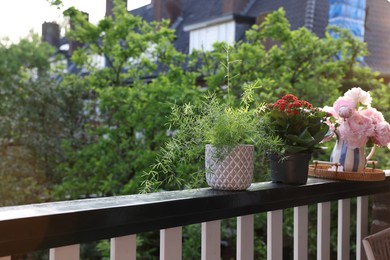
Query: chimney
x=234 y=6
x=166 y=9
x=51 y=33
x=110 y=6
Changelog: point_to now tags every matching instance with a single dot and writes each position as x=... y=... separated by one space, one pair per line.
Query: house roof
x=204 y=11
x=192 y=12
x=146 y=12
x=295 y=12
x=377 y=28
x=220 y=19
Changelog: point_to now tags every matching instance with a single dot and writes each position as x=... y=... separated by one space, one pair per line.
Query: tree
x=297 y=62
x=20 y=64
x=33 y=120
x=128 y=125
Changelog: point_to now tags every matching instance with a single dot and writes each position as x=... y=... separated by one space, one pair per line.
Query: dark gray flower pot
x=293 y=169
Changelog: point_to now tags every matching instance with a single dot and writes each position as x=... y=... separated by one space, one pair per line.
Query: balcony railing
x=63 y=226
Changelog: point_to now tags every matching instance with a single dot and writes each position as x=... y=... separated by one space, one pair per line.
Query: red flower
x=298 y=103
x=289 y=98
x=280 y=104
x=291 y=104
x=306 y=104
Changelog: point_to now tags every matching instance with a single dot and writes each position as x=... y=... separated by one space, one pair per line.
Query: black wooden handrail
x=48 y=225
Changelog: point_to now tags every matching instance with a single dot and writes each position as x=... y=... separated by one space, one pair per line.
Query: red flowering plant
x=299 y=126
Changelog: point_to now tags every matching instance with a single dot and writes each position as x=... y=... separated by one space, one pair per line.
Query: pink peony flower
x=356 y=130
x=329 y=110
x=359 y=95
x=382 y=134
x=344 y=105
x=345 y=112
x=375 y=115
x=358 y=124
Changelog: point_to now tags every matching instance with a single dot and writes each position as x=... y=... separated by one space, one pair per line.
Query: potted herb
x=300 y=129
x=218 y=134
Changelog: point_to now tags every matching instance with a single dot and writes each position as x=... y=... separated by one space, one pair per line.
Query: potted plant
x=300 y=128
x=218 y=134
x=356 y=124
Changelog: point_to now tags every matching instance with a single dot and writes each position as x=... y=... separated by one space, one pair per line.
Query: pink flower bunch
x=356 y=122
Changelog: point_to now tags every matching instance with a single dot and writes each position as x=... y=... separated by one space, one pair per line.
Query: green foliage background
x=77 y=136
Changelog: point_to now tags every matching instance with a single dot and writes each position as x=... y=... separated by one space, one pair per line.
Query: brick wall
x=380 y=212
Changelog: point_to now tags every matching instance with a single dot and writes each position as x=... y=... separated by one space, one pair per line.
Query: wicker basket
x=377 y=246
x=322 y=170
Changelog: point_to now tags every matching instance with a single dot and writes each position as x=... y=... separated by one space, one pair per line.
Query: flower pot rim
x=234 y=146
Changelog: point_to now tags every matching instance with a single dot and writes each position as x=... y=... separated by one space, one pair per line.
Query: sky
x=18 y=17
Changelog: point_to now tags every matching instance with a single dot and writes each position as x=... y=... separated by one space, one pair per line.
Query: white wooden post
x=275 y=235
x=211 y=240
x=123 y=248
x=71 y=252
x=245 y=238
x=361 y=226
x=343 y=229
x=323 y=231
x=300 y=232
x=171 y=243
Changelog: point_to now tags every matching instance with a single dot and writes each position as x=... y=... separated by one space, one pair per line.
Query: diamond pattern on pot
x=235 y=172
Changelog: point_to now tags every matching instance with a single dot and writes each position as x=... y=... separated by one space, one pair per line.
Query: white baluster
x=343 y=229
x=123 y=248
x=300 y=232
x=171 y=243
x=245 y=237
x=361 y=226
x=323 y=231
x=211 y=240
x=71 y=252
x=275 y=235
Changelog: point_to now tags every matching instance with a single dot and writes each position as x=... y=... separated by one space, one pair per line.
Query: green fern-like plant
x=193 y=127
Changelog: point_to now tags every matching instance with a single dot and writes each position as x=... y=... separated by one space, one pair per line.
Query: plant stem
x=228 y=74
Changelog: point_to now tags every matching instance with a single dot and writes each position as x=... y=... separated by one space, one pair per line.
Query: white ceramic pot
x=234 y=172
x=352 y=159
